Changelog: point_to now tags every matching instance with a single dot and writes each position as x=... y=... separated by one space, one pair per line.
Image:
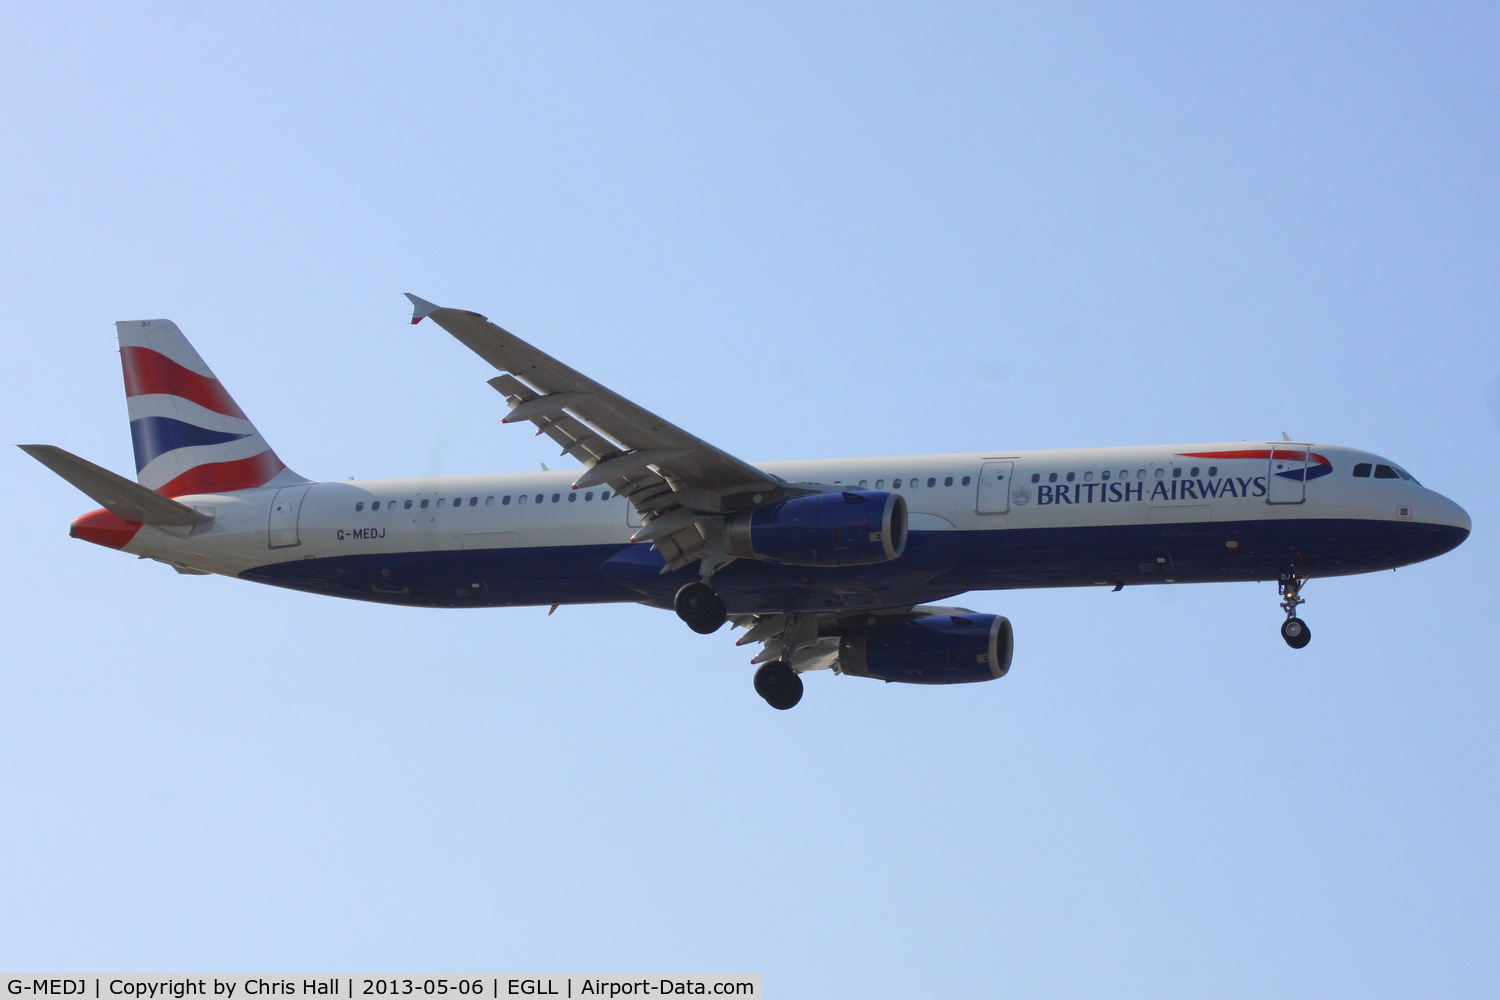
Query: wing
x=681 y=485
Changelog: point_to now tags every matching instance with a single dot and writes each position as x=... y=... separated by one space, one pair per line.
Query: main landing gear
x=779 y=684
x=701 y=608
x=1294 y=630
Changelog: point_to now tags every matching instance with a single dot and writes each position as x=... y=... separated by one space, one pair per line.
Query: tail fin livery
x=189 y=434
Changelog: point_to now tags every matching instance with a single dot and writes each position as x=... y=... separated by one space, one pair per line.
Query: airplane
x=835 y=565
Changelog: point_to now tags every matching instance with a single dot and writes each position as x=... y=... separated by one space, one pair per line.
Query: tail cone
x=103 y=528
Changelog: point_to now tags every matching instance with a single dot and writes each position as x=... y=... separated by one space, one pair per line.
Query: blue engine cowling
x=852 y=528
x=938 y=649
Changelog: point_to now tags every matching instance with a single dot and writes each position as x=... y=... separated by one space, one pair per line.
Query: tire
x=700 y=607
x=779 y=685
x=1296 y=633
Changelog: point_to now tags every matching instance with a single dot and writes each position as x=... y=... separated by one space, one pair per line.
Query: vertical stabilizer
x=189 y=434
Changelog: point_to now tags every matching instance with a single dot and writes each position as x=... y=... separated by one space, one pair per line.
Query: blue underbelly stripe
x=935 y=565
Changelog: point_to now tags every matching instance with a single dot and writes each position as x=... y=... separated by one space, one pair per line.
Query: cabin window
x=572 y=498
x=1124 y=473
x=932 y=481
x=375 y=505
x=474 y=501
x=965 y=481
x=1177 y=473
x=1070 y=477
x=1160 y=473
x=1088 y=477
x=895 y=484
x=540 y=497
x=604 y=495
x=1140 y=473
x=1193 y=472
x=864 y=483
x=1036 y=477
x=490 y=501
x=1104 y=476
x=556 y=497
x=1213 y=470
x=441 y=502
x=522 y=499
x=504 y=501
x=1385 y=472
x=360 y=505
x=407 y=505
x=588 y=496
x=1362 y=470
x=424 y=505
x=948 y=481
x=1051 y=477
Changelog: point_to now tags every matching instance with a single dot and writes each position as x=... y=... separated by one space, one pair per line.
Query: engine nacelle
x=852 y=528
x=938 y=649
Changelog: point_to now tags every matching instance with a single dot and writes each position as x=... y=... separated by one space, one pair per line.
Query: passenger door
x=281 y=529
x=1286 y=476
x=994 y=488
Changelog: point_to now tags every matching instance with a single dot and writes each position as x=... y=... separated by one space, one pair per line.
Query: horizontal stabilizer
x=126 y=500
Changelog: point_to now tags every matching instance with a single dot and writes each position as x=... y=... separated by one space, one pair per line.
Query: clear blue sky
x=798 y=231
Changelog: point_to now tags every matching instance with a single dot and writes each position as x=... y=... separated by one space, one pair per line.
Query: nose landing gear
x=1294 y=630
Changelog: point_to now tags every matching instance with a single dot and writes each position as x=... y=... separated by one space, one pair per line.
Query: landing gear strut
x=1294 y=630
x=779 y=684
x=700 y=606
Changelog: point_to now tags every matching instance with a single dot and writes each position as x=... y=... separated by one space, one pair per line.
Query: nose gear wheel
x=1294 y=630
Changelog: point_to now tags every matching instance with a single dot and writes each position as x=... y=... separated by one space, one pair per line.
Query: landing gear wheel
x=700 y=607
x=1296 y=633
x=779 y=685
x=1294 y=630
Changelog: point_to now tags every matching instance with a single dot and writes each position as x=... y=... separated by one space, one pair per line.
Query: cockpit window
x=1405 y=475
x=1362 y=470
x=1385 y=472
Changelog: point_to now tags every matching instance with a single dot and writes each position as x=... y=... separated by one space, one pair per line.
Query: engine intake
x=852 y=528
x=937 y=649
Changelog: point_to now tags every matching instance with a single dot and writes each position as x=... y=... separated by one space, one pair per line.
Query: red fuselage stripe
x=1264 y=453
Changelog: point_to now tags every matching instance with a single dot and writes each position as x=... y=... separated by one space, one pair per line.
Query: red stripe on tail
x=148 y=372
x=225 y=477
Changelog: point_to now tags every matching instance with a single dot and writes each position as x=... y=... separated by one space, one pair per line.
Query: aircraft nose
x=1443 y=511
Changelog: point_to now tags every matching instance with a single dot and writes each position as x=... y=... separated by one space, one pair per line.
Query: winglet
x=421 y=308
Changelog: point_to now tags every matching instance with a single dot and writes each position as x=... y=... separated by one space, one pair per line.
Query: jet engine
x=852 y=528
x=937 y=649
